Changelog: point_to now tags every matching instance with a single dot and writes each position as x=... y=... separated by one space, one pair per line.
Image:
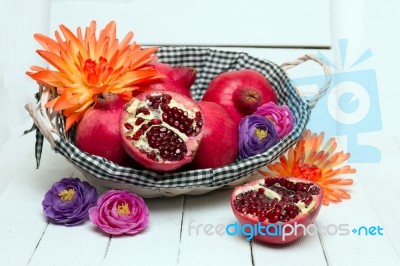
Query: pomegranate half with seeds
x=161 y=130
x=281 y=208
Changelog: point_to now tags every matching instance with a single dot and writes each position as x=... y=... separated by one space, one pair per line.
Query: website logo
x=249 y=231
x=351 y=105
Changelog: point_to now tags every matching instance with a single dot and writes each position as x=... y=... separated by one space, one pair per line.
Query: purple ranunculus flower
x=256 y=135
x=69 y=200
x=281 y=116
x=120 y=212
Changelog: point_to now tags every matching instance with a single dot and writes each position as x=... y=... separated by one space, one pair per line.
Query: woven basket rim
x=50 y=127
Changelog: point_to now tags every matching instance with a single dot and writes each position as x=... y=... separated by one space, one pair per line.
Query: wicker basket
x=208 y=64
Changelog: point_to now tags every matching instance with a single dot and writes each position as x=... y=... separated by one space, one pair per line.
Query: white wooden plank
x=201 y=242
x=354 y=249
x=381 y=182
x=22 y=222
x=305 y=251
x=158 y=244
x=206 y=22
x=77 y=245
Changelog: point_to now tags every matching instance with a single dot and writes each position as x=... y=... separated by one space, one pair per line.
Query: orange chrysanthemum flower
x=86 y=66
x=308 y=159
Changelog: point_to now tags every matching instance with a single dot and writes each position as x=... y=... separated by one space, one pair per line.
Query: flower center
x=97 y=72
x=260 y=134
x=308 y=171
x=67 y=194
x=123 y=209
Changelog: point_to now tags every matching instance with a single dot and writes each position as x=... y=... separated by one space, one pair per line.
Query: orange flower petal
x=86 y=66
x=70 y=121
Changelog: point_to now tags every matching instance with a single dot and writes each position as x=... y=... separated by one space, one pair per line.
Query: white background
x=276 y=30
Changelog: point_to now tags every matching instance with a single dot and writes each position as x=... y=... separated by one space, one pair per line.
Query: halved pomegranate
x=161 y=130
x=277 y=203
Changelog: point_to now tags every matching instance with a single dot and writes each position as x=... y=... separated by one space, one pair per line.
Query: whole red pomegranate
x=219 y=146
x=281 y=207
x=177 y=79
x=98 y=132
x=161 y=130
x=240 y=92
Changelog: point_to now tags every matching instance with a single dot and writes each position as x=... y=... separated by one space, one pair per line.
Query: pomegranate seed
x=314 y=190
x=299 y=186
x=277 y=211
x=164 y=117
x=167 y=97
x=135 y=137
x=156 y=121
x=261 y=190
x=289 y=208
x=189 y=132
x=262 y=218
x=308 y=200
x=269 y=181
x=283 y=182
x=128 y=126
x=270 y=214
x=181 y=128
x=139 y=121
x=274 y=219
x=306 y=187
x=151 y=155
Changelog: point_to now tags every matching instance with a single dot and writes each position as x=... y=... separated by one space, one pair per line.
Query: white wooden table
x=26 y=236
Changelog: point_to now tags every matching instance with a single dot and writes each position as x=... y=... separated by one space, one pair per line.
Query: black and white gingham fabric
x=208 y=64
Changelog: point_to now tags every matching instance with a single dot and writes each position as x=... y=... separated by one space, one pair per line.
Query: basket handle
x=328 y=75
x=41 y=116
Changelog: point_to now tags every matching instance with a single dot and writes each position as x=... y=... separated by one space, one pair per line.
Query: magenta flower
x=120 y=212
x=68 y=201
x=281 y=116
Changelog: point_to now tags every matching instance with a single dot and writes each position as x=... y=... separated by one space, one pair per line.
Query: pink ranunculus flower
x=120 y=212
x=281 y=116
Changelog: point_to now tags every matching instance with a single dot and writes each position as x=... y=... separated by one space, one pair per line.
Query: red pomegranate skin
x=304 y=219
x=98 y=132
x=176 y=79
x=240 y=92
x=219 y=146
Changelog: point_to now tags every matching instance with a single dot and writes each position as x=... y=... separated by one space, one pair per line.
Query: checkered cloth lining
x=208 y=64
